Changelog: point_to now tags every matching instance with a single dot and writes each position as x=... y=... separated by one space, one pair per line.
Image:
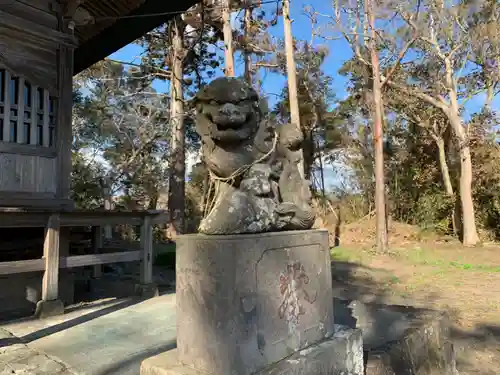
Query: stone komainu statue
x=255 y=182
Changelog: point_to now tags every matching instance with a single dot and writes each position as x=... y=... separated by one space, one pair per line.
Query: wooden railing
x=51 y=261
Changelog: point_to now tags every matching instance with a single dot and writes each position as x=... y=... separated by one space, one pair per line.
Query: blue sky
x=339 y=51
x=301 y=27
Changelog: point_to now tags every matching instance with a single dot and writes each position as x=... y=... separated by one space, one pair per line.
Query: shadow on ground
x=134 y=361
x=359 y=301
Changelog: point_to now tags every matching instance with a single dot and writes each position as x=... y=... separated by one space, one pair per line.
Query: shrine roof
x=105 y=26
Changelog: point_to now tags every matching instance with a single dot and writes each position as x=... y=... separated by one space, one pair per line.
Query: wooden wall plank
x=64 y=133
x=36 y=30
x=41 y=5
x=33 y=265
x=93 y=259
x=32 y=59
x=37 y=11
x=21 y=266
x=26 y=173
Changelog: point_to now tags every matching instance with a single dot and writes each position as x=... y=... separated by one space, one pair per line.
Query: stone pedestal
x=46 y=309
x=341 y=354
x=259 y=303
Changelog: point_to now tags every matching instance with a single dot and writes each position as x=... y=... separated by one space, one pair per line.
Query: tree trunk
x=228 y=38
x=470 y=236
x=443 y=164
x=176 y=181
x=322 y=174
x=380 y=208
x=448 y=187
x=469 y=230
x=291 y=75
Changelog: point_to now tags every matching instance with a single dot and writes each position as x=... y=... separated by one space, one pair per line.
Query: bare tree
x=444 y=39
x=377 y=108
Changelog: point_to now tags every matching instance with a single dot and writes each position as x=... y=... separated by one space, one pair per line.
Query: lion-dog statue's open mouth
x=227 y=111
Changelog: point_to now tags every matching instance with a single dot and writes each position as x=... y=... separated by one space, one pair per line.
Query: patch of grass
x=352 y=255
x=474 y=267
x=394 y=280
x=341 y=254
x=422 y=256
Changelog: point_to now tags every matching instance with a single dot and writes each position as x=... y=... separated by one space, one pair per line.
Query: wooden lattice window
x=27 y=112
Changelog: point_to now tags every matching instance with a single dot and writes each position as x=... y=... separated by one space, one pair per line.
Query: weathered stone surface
x=341 y=354
x=45 y=309
x=7 y=338
x=247 y=301
x=18 y=358
x=422 y=350
x=253 y=165
x=401 y=339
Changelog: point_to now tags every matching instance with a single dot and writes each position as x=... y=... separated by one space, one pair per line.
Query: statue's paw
x=292 y=217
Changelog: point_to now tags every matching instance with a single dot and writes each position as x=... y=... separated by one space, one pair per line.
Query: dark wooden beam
x=126 y=30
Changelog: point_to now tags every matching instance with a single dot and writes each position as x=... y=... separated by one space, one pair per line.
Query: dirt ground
x=432 y=272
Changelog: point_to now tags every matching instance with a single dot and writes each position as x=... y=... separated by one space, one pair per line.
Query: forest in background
x=409 y=151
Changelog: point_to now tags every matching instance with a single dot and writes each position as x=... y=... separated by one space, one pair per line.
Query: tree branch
x=438 y=103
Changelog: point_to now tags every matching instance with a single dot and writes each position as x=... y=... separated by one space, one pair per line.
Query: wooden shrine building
x=43 y=43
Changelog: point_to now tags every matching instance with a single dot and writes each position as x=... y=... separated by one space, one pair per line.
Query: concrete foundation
x=45 y=309
x=340 y=354
x=247 y=302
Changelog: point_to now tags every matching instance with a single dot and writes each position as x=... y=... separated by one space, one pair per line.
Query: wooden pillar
x=146 y=287
x=64 y=136
x=50 y=303
x=50 y=282
x=97 y=244
x=108 y=232
x=147 y=251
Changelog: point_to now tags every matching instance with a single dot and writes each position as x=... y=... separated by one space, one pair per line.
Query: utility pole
x=228 y=38
x=380 y=208
x=292 y=76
